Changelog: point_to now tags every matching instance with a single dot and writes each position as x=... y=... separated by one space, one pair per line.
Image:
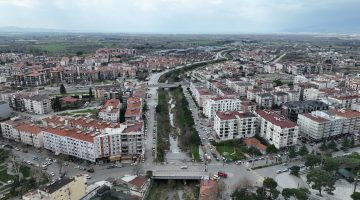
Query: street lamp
x=356 y=179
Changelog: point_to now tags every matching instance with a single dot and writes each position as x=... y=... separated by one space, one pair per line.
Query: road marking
x=259 y=178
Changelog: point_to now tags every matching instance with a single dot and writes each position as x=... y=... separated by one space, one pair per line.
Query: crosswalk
x=259 y=178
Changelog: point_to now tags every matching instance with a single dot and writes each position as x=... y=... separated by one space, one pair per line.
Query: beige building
x=31 y=135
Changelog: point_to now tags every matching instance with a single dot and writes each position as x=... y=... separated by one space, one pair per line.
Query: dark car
x=91 y=170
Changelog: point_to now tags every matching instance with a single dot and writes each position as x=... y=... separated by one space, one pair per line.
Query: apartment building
x=313 y=126
x=323 y=124
x=133 y=109
x=291 y=109
x=276 y=129
x=70 y=141
x=213 y=105
x=293 y=95
x=313 y=94
x=234 y=125
x=248 y=106
x=31 y=134
x=240 y=87
x=64 y=188
x=38 y=104
x=126 y=142
x=265 y=100
x=280 y=98
x=344 y=101
x=111 y=110
x=201 y=94
x=91 y=140
x=8 y=128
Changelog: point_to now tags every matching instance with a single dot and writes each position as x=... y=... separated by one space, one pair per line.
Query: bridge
x=167 y=85
x=179 y=175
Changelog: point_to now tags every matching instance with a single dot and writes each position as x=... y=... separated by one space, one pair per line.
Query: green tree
x=56 y=105
x=320 y=179
x=299 y=194
x=332 y=145
x=243 y=193
x=323 y=145
x=294 y=170
x=355 y=196
x=62 y=89
x=270 y=185
x=292 y=153
x=352 y=141
x=330 y=164
x=278 y=83
x=271 y=149
x=303 y=151
x=345 y=142
x=312 y=160
x=91 y=95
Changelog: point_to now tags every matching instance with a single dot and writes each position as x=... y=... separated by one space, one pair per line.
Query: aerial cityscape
x=179 y=100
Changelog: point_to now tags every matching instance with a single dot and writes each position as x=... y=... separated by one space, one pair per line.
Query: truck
x=207 y=157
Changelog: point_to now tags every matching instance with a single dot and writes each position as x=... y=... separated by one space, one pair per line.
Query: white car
x=52 y=173
x=184 y=167
x=88 y=176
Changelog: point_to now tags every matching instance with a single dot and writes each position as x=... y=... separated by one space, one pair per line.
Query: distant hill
x=14 y=29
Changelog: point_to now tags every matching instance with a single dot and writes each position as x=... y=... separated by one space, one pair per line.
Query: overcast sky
x=185 y=16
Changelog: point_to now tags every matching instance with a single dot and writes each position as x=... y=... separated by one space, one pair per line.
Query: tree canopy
x=320 y=179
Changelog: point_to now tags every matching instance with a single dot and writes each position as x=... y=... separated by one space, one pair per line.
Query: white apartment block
x=73 y=142
x=126 y=141
x=213 y=105
x=322 y=124
x=313 y=126
x=280 y=98
x=240 y=87
x=276 y=129
x=38 y=104
x=110 y=111
x=8 y=128
x=313 y=94
x=293 y=95
x=234 y=125
x=201 y=94
x=344 y=101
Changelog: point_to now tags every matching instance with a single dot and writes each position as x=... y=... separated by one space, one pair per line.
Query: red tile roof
x=29 y=128
x=69 y=99
x=255 y=142
x=139 y=181
x=133 y=128
x=80 y=121
x=72 y=133
x=347 y=113
x=133 y=102
x=132 y=112
x=275 y=118
x=315 y=118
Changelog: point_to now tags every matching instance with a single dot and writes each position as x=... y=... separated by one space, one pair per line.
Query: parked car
x=184 y=167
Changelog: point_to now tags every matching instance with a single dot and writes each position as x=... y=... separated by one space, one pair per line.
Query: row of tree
x=269 y=191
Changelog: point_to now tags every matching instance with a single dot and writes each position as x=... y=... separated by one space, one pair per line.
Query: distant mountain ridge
x=15 y=29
